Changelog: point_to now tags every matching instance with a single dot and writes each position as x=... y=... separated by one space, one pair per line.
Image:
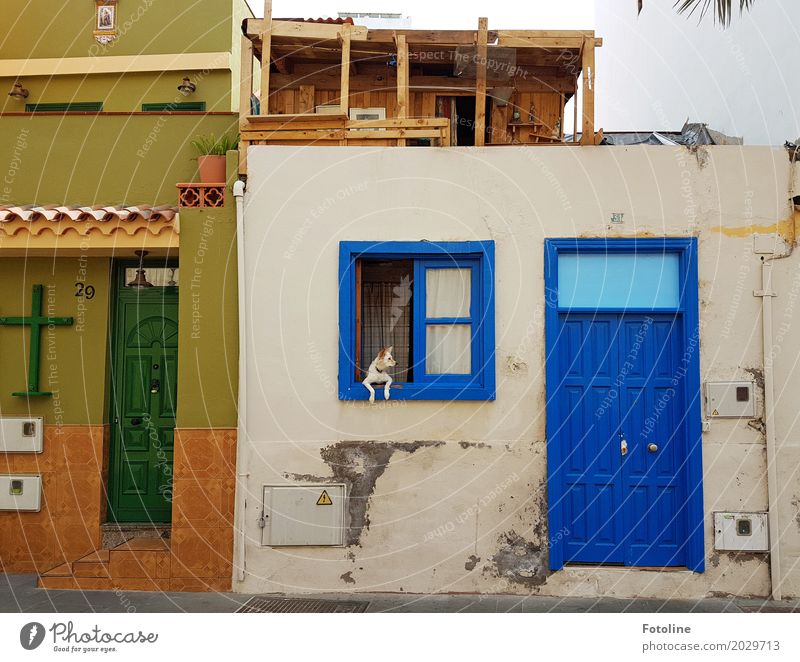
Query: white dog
x=376 y=374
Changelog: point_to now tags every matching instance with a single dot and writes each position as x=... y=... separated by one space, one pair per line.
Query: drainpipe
x=241 y=434
x=766 y=295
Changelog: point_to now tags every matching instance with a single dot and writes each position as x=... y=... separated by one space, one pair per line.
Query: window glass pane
x=151 y=276
x=448 y=349
x=618 y=280
x=447 y=292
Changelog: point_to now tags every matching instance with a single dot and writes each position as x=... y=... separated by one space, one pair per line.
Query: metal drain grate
x=300 y=606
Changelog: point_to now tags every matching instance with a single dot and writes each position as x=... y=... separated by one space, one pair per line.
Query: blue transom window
x=433 y=303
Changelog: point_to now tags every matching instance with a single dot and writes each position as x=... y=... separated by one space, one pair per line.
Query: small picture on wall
x=106 y=17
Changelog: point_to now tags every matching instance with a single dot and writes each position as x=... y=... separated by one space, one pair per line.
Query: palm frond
x=723 y=9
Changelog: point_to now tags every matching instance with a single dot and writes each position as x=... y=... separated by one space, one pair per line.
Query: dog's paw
x=372 y=398
x=386 y=395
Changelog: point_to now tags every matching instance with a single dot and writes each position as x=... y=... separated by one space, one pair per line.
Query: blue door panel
x=620 y=380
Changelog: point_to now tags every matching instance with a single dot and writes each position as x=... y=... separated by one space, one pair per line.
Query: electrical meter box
x=730 y=400
x=303 y=515
x=741 y=532
x=20 y=492
x=21 y=435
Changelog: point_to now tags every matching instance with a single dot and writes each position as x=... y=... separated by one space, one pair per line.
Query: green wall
x=73 y=359
x=208 y=340
x=121 y=93
x=65 y=28
x=100 y=159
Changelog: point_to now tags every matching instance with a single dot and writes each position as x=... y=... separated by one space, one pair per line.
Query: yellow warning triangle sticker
x=324 y=499
x=714 y=413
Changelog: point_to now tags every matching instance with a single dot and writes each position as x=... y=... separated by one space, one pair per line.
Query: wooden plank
x=480 y=83
x=437 y=37
x=282 y=64
x=330 y=80
x=254 y=136
x=429 y=104
x=246 y=80
x=305 y=100
x=344 y=87
x=587 y=65
x=304 y=31
x=243 y=145
x=297 y=121
x=402 y=81
x=266 y=43
x=364 y=134
x=400 y=122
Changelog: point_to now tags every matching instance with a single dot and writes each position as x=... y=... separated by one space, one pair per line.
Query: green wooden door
x=144 y=382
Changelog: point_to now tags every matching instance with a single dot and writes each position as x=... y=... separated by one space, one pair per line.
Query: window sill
x=423 y=392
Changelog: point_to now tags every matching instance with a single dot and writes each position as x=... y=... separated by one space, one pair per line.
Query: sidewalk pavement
x=18 y=593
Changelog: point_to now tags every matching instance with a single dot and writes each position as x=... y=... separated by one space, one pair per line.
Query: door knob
x=623 y=445
x=136 y=421
x=155 y=386
x=652 y=447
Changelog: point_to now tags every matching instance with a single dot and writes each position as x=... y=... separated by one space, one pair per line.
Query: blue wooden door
x=622 y=439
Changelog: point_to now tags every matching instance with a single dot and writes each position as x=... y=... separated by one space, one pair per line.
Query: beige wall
x=454 y=493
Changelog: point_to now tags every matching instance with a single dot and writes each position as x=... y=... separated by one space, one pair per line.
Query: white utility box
x=741 y=532
x=303 y=515
x=730 y=400
x=21 y=435
x=20 y=492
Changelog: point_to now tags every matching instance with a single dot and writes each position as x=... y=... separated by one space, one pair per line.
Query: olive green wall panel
x=65 y=28
x=101 y=159
x=121 y=93
x=73 y=362
x=208 y=341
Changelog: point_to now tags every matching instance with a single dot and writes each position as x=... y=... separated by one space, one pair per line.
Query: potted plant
x=211 y=156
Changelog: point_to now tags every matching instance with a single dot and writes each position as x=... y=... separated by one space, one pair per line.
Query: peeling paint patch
x=473 y=444
x=472 y=561
x=784 y=228
x=520 y=561
x=758 y=376
x=347 y=577
x=359 y=464
x=796 y=504
x=516 y=366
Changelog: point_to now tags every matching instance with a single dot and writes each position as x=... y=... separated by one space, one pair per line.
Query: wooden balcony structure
x=336 y=83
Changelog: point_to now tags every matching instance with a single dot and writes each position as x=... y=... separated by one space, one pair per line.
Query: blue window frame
x=467 y=372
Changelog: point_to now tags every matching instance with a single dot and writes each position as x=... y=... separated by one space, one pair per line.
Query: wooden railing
x=313 y=129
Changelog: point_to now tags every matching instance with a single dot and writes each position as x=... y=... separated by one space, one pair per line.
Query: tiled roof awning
x=57 y=228
x=30 y=213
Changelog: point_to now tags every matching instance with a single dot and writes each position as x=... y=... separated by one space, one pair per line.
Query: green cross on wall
x=36 y=322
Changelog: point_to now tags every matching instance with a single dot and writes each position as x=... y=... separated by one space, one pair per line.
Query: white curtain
x=448 y=346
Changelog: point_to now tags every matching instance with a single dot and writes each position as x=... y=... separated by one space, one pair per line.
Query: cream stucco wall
x=453 y=493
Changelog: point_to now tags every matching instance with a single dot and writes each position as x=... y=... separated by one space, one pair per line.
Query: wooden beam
x=344 y=87
x=402 y=81
x=306 y=99
x=282 y=64
x=245 y=80
x=587 y=64
x=480 y=83
x=330 y=80
x=266 y=47
x=300 y=30
x=437 y=37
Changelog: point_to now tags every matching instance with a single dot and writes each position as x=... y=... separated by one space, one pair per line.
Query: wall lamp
x=187 y=87
x=18 y=92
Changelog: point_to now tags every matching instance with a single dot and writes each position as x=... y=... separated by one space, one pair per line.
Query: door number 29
x=84 y=291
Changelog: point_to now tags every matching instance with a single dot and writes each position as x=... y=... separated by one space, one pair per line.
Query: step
x=116 y=533
x=95 y=564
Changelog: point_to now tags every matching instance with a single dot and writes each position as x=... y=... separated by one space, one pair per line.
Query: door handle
x=623 y=445
x=652 y=447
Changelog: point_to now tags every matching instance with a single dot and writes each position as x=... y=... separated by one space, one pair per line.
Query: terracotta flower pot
x=212 y=169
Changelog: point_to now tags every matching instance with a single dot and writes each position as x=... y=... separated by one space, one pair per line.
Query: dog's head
x=385 y=357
